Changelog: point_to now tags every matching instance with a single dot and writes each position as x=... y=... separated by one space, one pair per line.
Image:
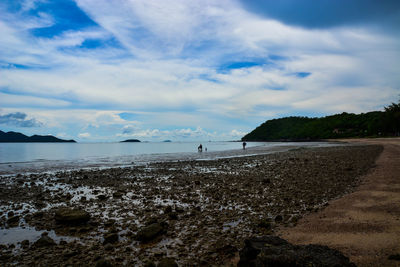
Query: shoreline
x=365 y=224
x=203 y=210
x=39 y=166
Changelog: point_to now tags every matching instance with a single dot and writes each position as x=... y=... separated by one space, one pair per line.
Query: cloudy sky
x=108 y=70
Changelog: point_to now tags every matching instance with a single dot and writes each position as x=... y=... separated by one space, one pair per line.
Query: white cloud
x=84 y=135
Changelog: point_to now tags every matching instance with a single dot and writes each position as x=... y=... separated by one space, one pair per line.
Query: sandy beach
x=193 y=212
x=363 y=225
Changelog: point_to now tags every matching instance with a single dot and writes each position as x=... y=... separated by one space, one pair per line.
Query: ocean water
x=28 y=152
x=32 y=157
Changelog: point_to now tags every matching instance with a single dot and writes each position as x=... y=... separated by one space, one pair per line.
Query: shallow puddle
x=18 y=234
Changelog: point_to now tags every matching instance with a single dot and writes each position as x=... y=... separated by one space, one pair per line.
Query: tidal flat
x=194 y=212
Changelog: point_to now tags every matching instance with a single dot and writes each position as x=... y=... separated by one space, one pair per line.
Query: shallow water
x=18 y=234
x=38 y=157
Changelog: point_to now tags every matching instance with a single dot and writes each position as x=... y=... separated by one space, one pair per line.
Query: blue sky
x=109 y=70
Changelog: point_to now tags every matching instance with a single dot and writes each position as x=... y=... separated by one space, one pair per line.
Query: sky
x=110 y=70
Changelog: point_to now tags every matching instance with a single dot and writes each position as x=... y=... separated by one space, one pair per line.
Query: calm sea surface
x=16 y=157
x=27 y=152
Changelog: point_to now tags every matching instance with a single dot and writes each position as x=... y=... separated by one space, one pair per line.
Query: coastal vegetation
x=344 y=125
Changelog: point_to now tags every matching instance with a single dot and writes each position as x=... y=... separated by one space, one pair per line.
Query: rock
x=173 y=216
x=109 y=247
x=13 y=221
x=394 y=257
x=5 y=257
x=38 y=215
x=102 y=197
x=179 y=210
x=109 y=223
x=149 y=264
x=151 y=231
x=266 y=181
x=117 y=194
x=103 y=263
x=274 y=251
x=168 y=209
x=167 y=262
x=25 y=244
x=265 y=223
x=71 y=216
x=278 y=218
x=44 y=241
x=110 y=238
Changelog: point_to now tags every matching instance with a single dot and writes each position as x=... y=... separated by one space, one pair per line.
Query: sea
x=38 y=157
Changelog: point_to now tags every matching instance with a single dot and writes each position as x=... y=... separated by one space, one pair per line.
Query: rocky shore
x=194 y=212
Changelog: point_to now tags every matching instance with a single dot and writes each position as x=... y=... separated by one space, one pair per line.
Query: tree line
x=344 y=125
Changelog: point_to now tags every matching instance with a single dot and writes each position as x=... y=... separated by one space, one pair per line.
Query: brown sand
x=364 y=225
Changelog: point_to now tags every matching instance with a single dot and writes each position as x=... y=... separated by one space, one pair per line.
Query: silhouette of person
x=244 y=145
x=200 y=148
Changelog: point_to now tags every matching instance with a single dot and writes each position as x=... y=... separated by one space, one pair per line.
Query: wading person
x=244 y=145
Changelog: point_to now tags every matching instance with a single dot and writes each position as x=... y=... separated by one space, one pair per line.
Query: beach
x=363 y=225
x=193 y=212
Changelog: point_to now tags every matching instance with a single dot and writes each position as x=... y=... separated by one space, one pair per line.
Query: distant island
x=131 y=141
x=167 y=141
x=14 y=137
x=344 y=125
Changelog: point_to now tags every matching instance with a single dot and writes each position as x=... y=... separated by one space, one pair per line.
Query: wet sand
x=363 y=225
x=198 y=211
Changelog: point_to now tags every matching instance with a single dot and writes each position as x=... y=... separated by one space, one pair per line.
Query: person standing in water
x=244 y=145
x=200 y=148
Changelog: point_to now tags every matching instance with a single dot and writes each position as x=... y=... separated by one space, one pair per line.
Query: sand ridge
x=364 y=225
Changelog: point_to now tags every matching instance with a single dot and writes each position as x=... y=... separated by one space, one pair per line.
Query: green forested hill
x=375 y=123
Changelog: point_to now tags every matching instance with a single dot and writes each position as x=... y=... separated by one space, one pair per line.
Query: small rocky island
x=15 y=137
x=131 y=141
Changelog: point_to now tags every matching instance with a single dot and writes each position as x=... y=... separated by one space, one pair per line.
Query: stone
x=110 y=238
x=149 y=264
x=173 y=216
x=278 y=218
x=25 y=243
x=109 y=247
x=44 y=241
x=71 y=216
x=103 y=263
x=265 y=223
x=151 y=231
x=102 y=197
x=168 y=209
x=394 y=257
x=167 y=262
x=117 y=194
x=13 y=221
x=274 y=251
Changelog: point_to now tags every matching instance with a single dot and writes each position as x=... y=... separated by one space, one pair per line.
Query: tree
x=392 y=118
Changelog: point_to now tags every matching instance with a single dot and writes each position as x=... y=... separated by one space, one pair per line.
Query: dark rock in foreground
x=13 y=221
x=274 y=251
x=71 y=216
x=110 y=238
x=44 y=241
x=151 y=231
x=167 y=262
